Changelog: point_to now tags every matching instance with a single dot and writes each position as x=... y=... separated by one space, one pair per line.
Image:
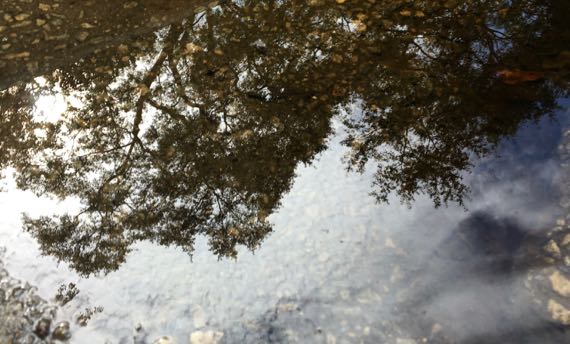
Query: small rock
x=192 y=48
x=20 y=24
x=316 y=2
x=130 y=5
x=560 y=284
x=13 y=56
x=82 y=36
x=559 y=312
x=44 y=7
x=552 y=248
x=87 y=26
x=165 y=340
x=206 y=337
x=22 y=16
x=61 y=331
x=42 y=328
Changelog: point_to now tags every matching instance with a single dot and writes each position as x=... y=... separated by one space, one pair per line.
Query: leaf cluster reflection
x=198 y=128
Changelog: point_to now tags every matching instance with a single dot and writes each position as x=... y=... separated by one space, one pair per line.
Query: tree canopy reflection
x=198 y=128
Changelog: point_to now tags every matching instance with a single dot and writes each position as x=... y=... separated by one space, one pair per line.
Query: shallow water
x=291 y=172
x=337 y=265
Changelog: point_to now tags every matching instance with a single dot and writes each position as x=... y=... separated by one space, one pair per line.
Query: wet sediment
x=550 y=286
x=25 y=317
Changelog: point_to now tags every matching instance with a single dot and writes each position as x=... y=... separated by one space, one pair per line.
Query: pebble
x=165 y=340
x=25 y=317
x=87 y=26
x=206 y=337
x=559 y=312
x=62 y=331
x=44 y=7
x=130 y=5
x=560 y=284
x=82 y=36
x=42 y=328
x=552 y=248
x=22 y=16
x=19 y=55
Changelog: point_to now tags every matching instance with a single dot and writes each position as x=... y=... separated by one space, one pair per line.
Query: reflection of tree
x=16 y=122
x=440 y=100
x=37 y=37
x=198 y=128
x=189 y=144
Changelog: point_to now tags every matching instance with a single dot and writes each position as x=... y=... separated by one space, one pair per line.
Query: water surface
x=291 y=171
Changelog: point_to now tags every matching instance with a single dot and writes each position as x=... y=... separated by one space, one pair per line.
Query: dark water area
x=318 y=171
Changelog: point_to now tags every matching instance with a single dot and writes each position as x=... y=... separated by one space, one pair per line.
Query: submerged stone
x=62 y=331
x=43 y=328
x=206 y=337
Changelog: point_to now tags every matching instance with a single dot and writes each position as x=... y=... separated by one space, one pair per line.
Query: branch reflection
x=198 y=128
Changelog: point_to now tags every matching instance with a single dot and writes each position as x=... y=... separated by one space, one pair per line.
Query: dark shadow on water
x=484 y=245
x=473 y=285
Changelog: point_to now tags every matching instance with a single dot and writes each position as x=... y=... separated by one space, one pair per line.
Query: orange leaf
x=515 y=77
